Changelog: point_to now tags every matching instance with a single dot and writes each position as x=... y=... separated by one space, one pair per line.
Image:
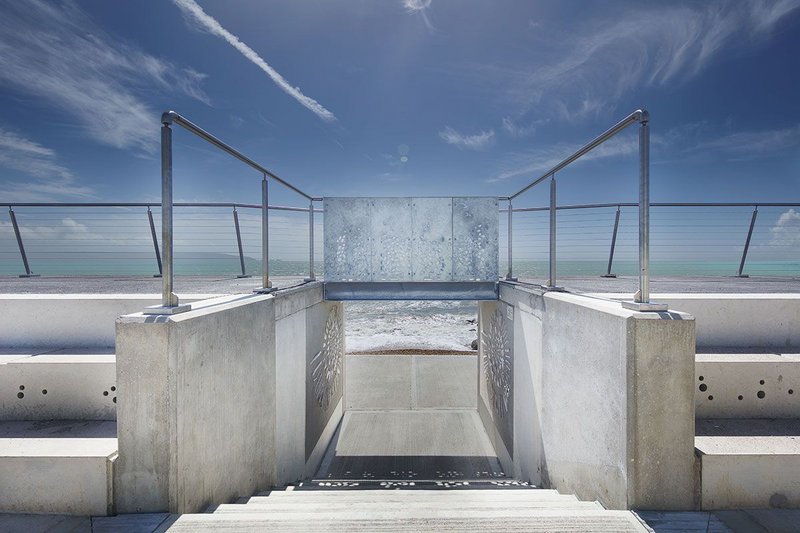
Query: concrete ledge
x=747 y=385
x=59 y=385
x=57 y=467
x=68 y=320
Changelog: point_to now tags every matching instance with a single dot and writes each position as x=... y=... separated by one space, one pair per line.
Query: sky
x=399 y=97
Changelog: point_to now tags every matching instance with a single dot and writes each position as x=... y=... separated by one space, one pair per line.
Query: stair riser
x=750 y=481
x=726 y=379
x=401 y=507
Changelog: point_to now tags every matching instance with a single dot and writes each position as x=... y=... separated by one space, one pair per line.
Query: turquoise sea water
x=223 y=264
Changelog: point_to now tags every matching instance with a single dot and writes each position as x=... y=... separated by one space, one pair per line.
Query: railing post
x=239 y=243
x=551 y=283
x=169 y=300
x=266 y=284
x=311 y=276
x=28 y=273
x=510 y=274
x=747 y=244
x=608 y=273
x=155 y=243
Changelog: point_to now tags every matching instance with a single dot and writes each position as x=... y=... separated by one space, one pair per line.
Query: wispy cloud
x=750 y=144
x=471 y=142
x=419 y=8
x=590 y=69
x=534 y=162
x=41 y=178
x=195 y=14
x=516 y=130
x=55 y=52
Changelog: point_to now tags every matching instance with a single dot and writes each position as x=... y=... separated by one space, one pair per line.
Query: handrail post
x=266 y=284
x=551 y=283
x=239 y=243
x=747 y=244
x=311 y=276
x=510 y=274
x=169 y=300
x=641 y=300
x=155 y=243
x=21 y=246
x=608 y=273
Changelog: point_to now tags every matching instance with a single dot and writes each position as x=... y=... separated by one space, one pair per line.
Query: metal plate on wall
x=411 y=239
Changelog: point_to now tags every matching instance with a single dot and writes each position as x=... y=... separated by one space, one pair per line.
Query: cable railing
x=169 y=300
x=122 y=238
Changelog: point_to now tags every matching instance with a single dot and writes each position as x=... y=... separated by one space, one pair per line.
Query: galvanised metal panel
x=348 y=246
x=411 y=239
x=475 y=239
x=432 y=229
x=391 y=238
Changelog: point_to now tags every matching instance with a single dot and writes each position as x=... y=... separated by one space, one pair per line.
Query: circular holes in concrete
x=22 y=387
x=761 y=394
x=761 y=382
x=740 y=397
x=791 y=391
x=114 y=399
x=105 y=393
x=113 y=389
x=700 y=378
x=703 y=387
x=710 y=397
x=20 y=395
x=44 y=391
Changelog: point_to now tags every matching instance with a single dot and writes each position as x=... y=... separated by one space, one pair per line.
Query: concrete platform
x=410 y=445
x=749 y=463
x=747 y=385
x=69 y=384
x=57 y=467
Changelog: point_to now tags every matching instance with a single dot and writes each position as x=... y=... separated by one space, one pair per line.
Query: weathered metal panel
x=475 y=239
x=348 y=246
x=432 y=250
x=411 y=239
x=391 y=238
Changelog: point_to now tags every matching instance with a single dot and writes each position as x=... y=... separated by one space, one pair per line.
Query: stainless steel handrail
x=641 y=300
x=169 y=300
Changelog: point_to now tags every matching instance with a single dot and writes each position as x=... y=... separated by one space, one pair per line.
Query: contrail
x=192 y=9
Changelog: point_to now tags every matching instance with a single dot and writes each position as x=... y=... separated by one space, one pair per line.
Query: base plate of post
x=242 y=276
x=608 y=275
x=648 y=306
x=29 y=275
x=265 y=290
x=307 y=280
x=161 y=310
x=509 y=279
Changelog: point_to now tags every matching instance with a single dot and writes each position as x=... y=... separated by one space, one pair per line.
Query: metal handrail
x=641 y=300
x=169 y=300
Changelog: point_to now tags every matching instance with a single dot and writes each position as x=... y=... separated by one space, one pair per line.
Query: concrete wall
x=603 y=399
x=739 y=320
x=211 y=402
x=68 y=320
x=411 y=382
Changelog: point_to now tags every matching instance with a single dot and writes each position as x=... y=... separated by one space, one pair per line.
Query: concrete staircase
x=58 y=431
x=487 y=509
x=748 y=429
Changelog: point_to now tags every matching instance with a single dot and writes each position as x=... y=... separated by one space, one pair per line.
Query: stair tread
x=460 y=494
x=384 y=507
x=529 y=521
x=70 y=438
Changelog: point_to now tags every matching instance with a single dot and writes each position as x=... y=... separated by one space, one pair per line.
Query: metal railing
x=641 y=117
x=117 y=225
x=169 y=300
x=706 y=231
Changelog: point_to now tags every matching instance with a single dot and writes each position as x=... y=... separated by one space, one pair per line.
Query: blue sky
x=399 y=97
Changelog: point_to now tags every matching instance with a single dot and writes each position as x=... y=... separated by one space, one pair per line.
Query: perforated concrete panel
x=411 y=239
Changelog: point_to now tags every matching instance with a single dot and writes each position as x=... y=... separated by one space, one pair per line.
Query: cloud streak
x=470 y=142
x=419 y=7
x=50 y=180
x=594 y=65
x=195 y=14
x=56 y=53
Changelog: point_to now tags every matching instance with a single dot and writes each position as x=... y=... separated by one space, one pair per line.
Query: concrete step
x=461 y=495
x=75 y=384
x=57 y=467
x=528 y=521
x=747 y=385
x=749 y=463
x=402 y=507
